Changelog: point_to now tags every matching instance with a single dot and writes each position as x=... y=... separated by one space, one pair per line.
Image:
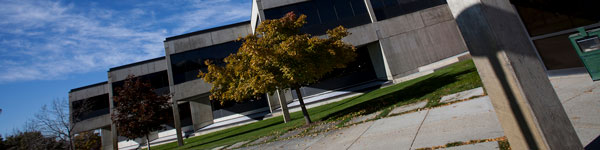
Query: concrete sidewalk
x=580 y=97
x=459 y=122
x=464 y=121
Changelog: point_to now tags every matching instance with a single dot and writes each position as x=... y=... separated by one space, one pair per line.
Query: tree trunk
x=148 y=142
x=304 y=111
x=71 y=142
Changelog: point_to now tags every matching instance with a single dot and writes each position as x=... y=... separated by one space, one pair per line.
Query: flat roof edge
x=206 y=31
x=88 y=86
x=136 y=63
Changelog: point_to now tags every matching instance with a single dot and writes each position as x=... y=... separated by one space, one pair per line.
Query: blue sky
x=49 y=47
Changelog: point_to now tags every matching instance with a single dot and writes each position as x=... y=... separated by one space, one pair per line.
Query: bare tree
x=55 y=121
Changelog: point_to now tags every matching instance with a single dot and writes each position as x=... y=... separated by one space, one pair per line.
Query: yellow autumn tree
x=278 y=56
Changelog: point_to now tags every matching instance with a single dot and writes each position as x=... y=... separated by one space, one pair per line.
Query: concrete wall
x=407 y=42
x=274 y=99
x=92 y=124
x=380 y=65
x=105 y=136
x=95 y=122
x=412 y=40
x=418 y=39
x=201 y=111
x=138 y=70
x=206 y=39
x=190 y=88
x=362 y=35
x=196 y=91
x=88 y=92
x=198 y=86
x=266 y=4
x=121 y=73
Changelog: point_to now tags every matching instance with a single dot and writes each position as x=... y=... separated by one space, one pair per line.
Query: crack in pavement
x=359 y=136
x=419 y=129
x=584 y=92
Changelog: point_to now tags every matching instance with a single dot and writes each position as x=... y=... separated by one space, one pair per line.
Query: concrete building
x=396 y=40
x=93 y=104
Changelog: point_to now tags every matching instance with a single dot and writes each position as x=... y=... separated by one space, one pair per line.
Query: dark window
x=309 y=10
x=325 y=14
x=186 y=65
x=543 y=17
x=343 y=9
x=158 y=80
x=232 y=107
x=359 y=71
x=91 y=107
x=185 y=114
x=358 y=6
x=557 y=52
x=385 y=9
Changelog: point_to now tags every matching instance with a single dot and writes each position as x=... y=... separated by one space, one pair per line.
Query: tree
x=278 y=56
x=54 y=120
x=2 y=145
x=88 y=141
x=139 y=110
x=26 y=140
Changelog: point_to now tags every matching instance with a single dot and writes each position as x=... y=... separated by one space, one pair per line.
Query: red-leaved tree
x=139 y=110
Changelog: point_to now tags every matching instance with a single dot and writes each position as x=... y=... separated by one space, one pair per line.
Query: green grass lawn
x=454 y=78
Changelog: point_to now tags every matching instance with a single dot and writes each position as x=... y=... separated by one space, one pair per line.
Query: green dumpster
x=587 y=45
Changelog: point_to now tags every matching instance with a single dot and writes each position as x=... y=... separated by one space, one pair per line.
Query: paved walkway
x=464 y=121
x=580 y=97
x=459 y=122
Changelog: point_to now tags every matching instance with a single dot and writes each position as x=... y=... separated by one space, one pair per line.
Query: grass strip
x=452 y=79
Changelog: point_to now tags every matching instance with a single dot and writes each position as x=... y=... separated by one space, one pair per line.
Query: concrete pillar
x=525 y=102
x=201 y=110
x=273 y=101
x=177 y=122
x=169 y=48
x=113 y=127
x=284 y=109
x=106 y=139
x=379 y=62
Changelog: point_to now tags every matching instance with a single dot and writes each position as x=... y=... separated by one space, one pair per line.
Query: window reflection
x=325 y=14
x=543 y=17
x=385 y=9
x=186 y=65
x=158 y=80
x=91 y=107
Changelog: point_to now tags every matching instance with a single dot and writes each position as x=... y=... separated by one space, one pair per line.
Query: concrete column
x=113 y=127
x=283 y=102
x=106 y=139
x=273 y=101
x=379 y=62
x=525 y=102
x=177 y=121
x=370 y=11
x=169 y=48
x=201 y=110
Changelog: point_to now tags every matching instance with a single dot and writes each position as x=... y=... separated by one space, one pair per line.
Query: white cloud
x=209 y=13
x=47 y=40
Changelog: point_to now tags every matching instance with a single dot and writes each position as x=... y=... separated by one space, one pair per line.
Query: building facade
x=396 y=40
